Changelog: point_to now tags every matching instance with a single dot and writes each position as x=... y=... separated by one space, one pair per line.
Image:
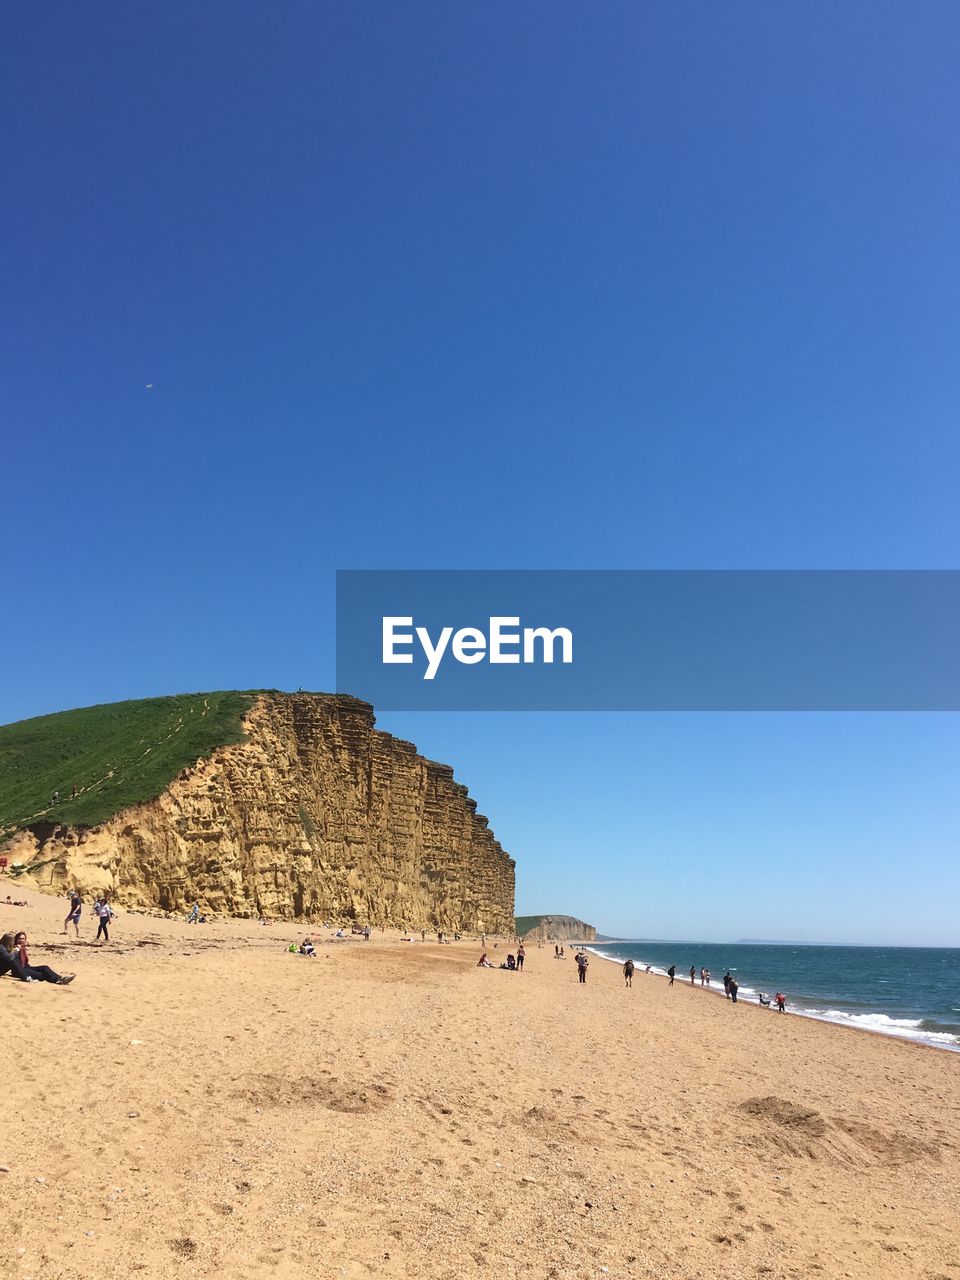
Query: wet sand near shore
x=200 y=1102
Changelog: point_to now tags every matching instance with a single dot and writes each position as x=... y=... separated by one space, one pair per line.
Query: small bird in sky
x=149 y=386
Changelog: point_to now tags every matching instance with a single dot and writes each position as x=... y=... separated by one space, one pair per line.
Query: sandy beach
x=200 y=1102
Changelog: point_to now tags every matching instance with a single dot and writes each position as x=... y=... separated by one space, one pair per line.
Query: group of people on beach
x=15 y=960
x=731 y=987
x=102 y=910
x=513 y=963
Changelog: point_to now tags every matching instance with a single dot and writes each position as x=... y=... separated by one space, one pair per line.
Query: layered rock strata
x=561 y=929
x=316 y=815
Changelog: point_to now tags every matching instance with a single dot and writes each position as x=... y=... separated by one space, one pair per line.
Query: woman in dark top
x=39 y=972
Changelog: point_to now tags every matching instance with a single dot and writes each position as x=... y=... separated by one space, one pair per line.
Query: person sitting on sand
x=307 y=948
x=764 y=1000
x=484 y=963
x=38 y=972
x=511 y=961
x=10 y=961
x=628 y=973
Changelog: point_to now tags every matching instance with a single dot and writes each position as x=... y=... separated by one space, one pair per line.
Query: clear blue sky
x=429 y=285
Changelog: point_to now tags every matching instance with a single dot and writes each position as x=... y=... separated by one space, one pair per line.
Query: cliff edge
x=555 y=929
x=314 y=814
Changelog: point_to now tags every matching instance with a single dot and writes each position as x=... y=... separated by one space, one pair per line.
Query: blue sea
x=909 y=992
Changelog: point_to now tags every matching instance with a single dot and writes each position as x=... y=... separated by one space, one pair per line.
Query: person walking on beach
x=726 y=983
x=781 y=1000
x=104 y=913
x=693 y=974
x=521 y=956
x=73 y=915
x=672 y=973
x=734 y=988
x=194 y=915
x=703 y=977
x=628 y=973
x=582 y=963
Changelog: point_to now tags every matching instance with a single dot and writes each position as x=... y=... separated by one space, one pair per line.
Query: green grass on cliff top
x=117 y=755
x=523 y=924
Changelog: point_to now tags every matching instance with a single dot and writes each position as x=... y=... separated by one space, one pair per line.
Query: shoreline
x=927 y=1039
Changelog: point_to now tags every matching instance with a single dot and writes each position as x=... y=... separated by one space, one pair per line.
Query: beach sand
x=199 y=1103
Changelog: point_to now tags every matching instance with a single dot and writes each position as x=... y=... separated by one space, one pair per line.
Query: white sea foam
x=902 y=1028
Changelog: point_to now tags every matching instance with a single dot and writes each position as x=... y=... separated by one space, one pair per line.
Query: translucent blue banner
x=613 y=640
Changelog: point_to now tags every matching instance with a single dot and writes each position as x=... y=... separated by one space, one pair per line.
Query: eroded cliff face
x=317 y=815
x=562 y=929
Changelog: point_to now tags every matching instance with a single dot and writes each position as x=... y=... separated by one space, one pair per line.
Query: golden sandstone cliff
x=559 y=929
x=317 y=814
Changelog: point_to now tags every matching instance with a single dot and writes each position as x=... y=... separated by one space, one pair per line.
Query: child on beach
x=781 y=1002
x=733 y=989
x=104 y=913
x=73 y=916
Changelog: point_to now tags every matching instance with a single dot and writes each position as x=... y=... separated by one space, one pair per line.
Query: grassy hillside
x=523 y=924
x=116 y=755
